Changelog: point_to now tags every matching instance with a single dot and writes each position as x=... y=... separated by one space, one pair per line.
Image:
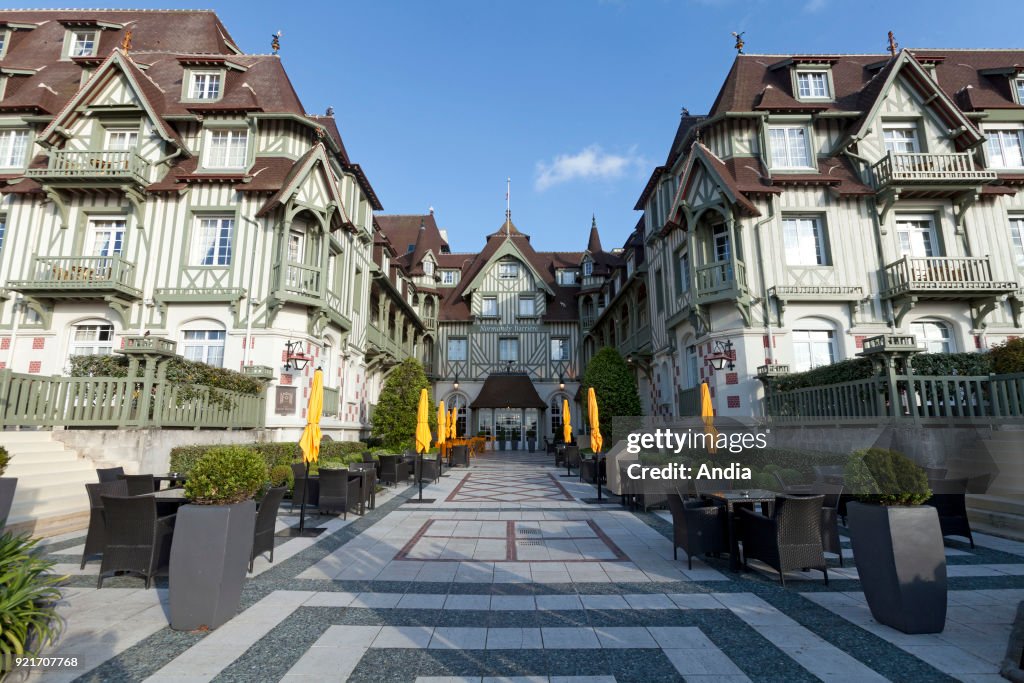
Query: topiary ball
x=886 y=477
x=226 y=475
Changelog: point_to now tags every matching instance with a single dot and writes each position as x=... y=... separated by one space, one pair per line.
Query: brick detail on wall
x=35 y=366
x=286 y=379
x=38 y=343
x=732 y=378
x=5 y=343
x=733 y=401
x=858 y=341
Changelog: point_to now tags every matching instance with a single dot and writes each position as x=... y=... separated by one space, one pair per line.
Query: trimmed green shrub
x=885 y=477
x=5 y=458
x=184 y=458
x=843 y=371
x=225 y=475
x=28 y=598
x=1008 y=357
x=282 y=475
x=615 y=387
x=964 y=364
x=394 y=418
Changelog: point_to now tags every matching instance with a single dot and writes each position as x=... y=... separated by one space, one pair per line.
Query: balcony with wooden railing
x=721 y=281
x=379 y=342
x=117 y=165
x=943 y=277
x=79 y=276
x=897 y=168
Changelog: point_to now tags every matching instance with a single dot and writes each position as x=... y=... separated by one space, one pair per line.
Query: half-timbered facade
x=828 y=198
x=156 y=180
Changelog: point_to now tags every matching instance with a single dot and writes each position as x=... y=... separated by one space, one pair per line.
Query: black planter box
x=7 y=486
x=901 y=561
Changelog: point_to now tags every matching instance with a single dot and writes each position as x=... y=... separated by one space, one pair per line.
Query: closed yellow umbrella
x=310 y=441
x=454 y=422
x=566 y=421
x=596 y=440
x=442 y=423
x=423 y=423
x=707 y=413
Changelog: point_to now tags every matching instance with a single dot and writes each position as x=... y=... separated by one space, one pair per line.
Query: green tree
x=615 y=386
x=394 y=418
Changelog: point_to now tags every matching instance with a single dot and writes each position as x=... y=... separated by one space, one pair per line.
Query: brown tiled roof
x=510 y=390
x=404 y=230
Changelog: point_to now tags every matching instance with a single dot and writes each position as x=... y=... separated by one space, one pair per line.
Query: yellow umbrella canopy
x=310 y=441
x=423 y=423
x=453 y=423
x=442 y=423
x=596 y=440
x=566 y=421
x=707 y=413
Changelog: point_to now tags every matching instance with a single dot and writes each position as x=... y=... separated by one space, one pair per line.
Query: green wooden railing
x=28 y=400
x=917 y=398
x=116 y=164
x=80 y=273
x=689 y=401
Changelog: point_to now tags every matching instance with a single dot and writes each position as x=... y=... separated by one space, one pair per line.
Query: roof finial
x=508 y=206
x=684 y=112
x=593 y=220
x=739 y=41
x=275 y=42
x=329 y=112
x=126 y=42
x=893 y=45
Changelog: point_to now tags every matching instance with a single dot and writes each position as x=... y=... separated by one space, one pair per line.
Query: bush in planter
x=225 y=475
x=885 y=477
x=5 y=458
x=28 y=598
x=282 y=475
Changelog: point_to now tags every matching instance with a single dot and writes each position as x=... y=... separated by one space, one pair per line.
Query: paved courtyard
x=508 y=574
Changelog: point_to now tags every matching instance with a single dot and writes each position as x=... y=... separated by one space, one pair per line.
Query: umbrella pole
x=597 y=475
x=302 y=508
x=420 y=477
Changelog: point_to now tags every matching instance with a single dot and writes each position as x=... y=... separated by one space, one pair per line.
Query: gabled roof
x=315 y=157
x=720 y=173
x=516 y=248
x=404 y=230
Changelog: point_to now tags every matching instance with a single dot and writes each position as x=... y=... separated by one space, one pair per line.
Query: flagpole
x=508 y=206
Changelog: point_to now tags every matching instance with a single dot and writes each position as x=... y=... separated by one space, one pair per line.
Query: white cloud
x=591 y=163
x=813 y=6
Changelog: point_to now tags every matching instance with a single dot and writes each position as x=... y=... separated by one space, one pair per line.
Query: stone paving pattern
x=508 y=575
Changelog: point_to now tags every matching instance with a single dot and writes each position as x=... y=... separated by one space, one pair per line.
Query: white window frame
x=508 y=270
x=204 y=346
x=530 y=304
x=942 y=342
x=101 y=345
x=428 y=267
x=3 y=230
x=683 y=270
x=212 y=241
x=449 y=277
x=223 y=147
x=692 y=367
x=113 y=245
x=560 y=344
x=891 y=142
x=205 y=85
x=130 y=134
x=5 y=38
x=462 y=347
x=805 y=240
x=484 y=301
x=14 y=143
x=788 y=161
x=77 y=42
x=588 y=268
x=999 y=141
x=1017 y=85
x=505 y=344
x=1016 y=238
x=819 y=340
x=567 y=278
x=810 y=74
x=916 y=234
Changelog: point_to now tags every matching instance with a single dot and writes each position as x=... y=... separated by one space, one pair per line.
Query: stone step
x=69 y=463
x=60 y=499
x=30 y=447
x=997 y=520
x=8 y=437
x=44 y=480
x=1002 y=532
x=1008 y=503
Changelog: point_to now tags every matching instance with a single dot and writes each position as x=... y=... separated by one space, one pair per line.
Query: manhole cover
x=529 y=542
x=527 y=531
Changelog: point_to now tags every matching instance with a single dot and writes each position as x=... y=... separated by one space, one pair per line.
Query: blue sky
x=575 y=100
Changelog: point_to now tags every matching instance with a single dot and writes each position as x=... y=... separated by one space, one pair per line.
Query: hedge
x=183 y=458
x=843 y=371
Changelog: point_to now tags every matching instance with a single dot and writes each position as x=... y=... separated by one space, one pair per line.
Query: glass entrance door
x=509 y=424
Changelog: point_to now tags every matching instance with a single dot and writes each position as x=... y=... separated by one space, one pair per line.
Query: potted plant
x=28 y=599
x=501 y=438
x=514 y=435
x=897 y=541
x=213 y=537
x=7 y=486
x=531 y=439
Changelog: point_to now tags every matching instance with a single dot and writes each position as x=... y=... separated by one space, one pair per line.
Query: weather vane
x=126 y=42
x=275 y=42
x=893 y=45
x=739 y=41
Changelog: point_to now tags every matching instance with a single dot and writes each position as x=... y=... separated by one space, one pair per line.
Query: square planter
x=7 y=487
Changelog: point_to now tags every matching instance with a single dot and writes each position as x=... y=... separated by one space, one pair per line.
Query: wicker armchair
x=571 y=456
x=790 y=487
x=949 y=499
x=790 y=539
x=697 y=528
x=393 y=470
x=96 y=537
x=138 y=541
x=369 y=483
x=367 y=456
x=310 y=488
x=830 y=518
x=338 y=493
x=266 y=519
x=711 y=485
x=460 y=456
x=431 y=467
x=140 y=484
x=109 y=474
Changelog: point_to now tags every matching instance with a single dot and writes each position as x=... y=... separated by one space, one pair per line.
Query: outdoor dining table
x=168 y=500
x=732 y=499
x=172 y=478
x=363 y=483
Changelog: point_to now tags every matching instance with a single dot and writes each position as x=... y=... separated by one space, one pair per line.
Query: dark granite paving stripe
x=875 y=652
x=143 y=660
x=56 y=548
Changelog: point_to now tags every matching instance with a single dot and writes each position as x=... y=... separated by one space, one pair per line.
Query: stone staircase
x=50 y=498
x=997 y=515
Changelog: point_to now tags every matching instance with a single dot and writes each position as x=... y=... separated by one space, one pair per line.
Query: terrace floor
x=508 y=574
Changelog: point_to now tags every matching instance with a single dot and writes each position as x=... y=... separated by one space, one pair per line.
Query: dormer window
x=83 y=43
x=428 y=267
x=205 y=85
x=449 y=277
x=1018 y=87
x=122 y=139
x=508 y=270
x=813 y=85
x=227 y=149
x=789 y=147
x=4 y=33
x=13 y=148
x=566 y=277
x=412 y=248
x=588 y=268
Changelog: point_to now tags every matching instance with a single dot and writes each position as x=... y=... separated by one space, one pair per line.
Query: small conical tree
x=615 y=386
x=394 y=418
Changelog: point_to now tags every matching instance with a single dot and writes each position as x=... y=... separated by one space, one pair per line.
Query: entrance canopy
x=508 y=391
